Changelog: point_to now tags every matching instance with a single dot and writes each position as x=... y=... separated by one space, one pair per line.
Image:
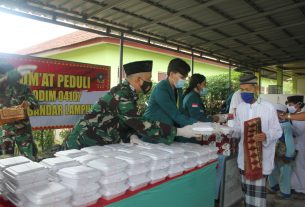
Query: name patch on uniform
x=194 y=105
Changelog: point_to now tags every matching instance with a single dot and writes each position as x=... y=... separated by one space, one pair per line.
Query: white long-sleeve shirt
x=235 y=101
x=270 y=126
x=298 y=128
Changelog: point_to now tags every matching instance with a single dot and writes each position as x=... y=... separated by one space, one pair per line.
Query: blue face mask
x=204 y=91
x=180 y=83
x=247 y=97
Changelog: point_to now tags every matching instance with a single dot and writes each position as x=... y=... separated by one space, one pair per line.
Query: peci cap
x=295 y=99
x=138 y=67
x=248 y=79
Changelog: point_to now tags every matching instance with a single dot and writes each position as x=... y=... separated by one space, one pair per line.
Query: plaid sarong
x=254 y=192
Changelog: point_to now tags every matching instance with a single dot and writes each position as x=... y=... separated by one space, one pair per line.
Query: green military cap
x=138 y=67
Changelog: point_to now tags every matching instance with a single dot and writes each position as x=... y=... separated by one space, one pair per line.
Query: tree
x=219 y=91
x=44 y=139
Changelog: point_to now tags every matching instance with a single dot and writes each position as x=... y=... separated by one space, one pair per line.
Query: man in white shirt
x=254 y=188
x=235 y=101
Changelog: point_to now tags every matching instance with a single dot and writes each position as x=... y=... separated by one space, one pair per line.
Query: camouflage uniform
x=12 y=93
x=114 y=118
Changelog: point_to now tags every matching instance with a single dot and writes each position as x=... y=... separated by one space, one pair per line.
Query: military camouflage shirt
x=13 y=93
x=114 y=118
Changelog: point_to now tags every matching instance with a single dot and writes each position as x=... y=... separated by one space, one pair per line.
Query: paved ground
x=272 y=201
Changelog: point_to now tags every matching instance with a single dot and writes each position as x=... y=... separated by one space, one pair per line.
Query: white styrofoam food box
x=48 y=194
x=96 y=150
x=114 y=181
x=26 y=173
x=72 y=153
x=157 y=175
x=84 y=159
x=57 y=163
x=174 y=151
x=86 y=201
x=137 y=184
x=109 y=194
x=160 y=158
x=135 y=160
x=86 y=190
x=108 y=165
x=19 y=190
x=11 y=161
x=79 y=175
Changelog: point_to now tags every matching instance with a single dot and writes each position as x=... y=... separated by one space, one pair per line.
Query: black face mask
x=146 y=86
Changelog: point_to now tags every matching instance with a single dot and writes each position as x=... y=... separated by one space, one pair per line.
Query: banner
x=65 y=90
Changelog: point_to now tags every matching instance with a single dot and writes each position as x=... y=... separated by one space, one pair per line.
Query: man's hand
x=187 y=131
x=260 y=137
x=282 y=116
x=219 y=118
x=215 y=118
x=135 y=140
x=25 y=104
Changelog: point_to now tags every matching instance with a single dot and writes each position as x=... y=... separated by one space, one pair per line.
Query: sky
x=18 y=33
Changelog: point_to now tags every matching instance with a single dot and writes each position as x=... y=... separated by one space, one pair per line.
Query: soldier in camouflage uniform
x=12 y=93
x=115 y=117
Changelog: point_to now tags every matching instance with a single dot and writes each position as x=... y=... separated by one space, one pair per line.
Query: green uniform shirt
x=193 y=107
x=162 y=106
x=114 y=118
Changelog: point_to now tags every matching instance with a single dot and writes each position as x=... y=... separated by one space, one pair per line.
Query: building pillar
x=259 y=76
x=294 y=84
x=279 y=78
x=230 y=78
x=192 y=62
x=121 y=57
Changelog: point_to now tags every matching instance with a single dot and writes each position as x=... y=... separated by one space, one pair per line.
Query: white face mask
x=291 y=109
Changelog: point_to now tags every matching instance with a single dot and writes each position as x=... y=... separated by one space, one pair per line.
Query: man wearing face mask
x=295 y=105
x=257 y=125
x=165 y=102
x=115 y=117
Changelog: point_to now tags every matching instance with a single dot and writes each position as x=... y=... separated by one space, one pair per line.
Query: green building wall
x=108 y=54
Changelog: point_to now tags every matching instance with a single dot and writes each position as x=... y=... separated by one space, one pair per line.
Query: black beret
x=248 y=79
x=138 y=67
x=4 y=68
x=295 y=99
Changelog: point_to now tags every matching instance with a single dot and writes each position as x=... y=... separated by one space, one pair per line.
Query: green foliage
x=63 y=134
x=44 y=139
x=219 y=91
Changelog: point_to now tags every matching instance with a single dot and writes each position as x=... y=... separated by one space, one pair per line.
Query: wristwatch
x=289 y=116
